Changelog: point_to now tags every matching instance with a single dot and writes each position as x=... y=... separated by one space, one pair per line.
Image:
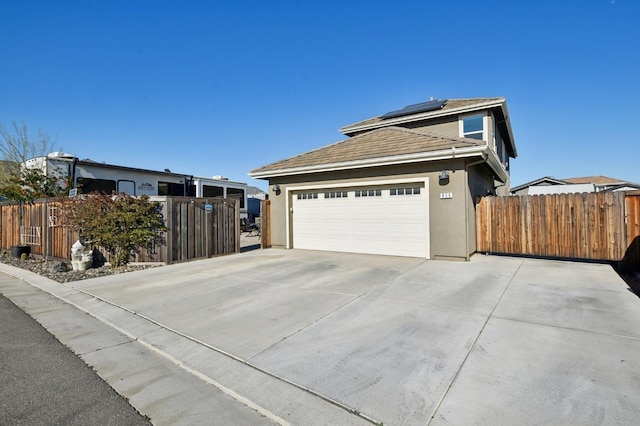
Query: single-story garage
x=401 y=184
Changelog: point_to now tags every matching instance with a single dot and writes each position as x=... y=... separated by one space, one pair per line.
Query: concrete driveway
x=305 y=337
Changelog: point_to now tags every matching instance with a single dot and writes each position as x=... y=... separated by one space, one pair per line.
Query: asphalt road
x=45 y=383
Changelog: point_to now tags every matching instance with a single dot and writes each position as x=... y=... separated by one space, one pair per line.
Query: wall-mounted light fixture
x=276 y=189
x=444 y=175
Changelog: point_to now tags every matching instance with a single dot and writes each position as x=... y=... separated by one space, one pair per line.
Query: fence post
x=45 y=229
x=168 y=206
x=236 y=225
x=265 y=224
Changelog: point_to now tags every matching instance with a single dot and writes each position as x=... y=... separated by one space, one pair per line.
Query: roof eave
x=448 y=154
x=507 y=119
x=496 y=165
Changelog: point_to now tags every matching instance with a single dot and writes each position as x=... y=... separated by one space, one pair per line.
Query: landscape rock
x=60 y=272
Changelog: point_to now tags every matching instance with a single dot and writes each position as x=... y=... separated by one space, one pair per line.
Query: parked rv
x=90 y=176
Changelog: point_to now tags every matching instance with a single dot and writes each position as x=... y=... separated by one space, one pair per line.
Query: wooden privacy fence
x=196 y=228
x=597 y=226
x=200 y=227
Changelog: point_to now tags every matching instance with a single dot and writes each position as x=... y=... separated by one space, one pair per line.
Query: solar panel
x=416 y=108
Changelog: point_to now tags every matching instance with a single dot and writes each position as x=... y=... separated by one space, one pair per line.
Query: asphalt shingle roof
x=452 y=104
x=597 y=180
x=380 y=143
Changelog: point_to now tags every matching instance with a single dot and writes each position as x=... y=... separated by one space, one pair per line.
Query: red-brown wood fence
x=631 y=259
x=196 y=228
x=596 y=226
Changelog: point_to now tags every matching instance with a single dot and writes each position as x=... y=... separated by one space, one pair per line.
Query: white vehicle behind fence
x=88 y=176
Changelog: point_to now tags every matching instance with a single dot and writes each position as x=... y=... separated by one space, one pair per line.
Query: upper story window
x=473 y=126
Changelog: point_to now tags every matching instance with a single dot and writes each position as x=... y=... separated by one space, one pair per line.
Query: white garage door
x=389 y=220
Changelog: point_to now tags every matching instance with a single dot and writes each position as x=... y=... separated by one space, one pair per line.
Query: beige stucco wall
x=447 y=126
x=452 y=234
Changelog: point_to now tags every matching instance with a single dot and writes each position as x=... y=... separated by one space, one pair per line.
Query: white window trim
x=485 y=125
x=386 y=182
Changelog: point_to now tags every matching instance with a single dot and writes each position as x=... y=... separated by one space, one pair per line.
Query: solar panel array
x=416 y=108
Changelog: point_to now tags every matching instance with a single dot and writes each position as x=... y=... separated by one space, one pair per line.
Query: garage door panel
x=383 y=224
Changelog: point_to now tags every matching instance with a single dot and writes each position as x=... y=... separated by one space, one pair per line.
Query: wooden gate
x=597 y=226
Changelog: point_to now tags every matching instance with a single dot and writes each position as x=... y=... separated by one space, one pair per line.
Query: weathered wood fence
x=265 y=224
x=196 y=228
x=597 y=226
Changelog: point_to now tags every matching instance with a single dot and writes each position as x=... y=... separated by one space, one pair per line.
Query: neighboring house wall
x=560 y=189
x=573 y=185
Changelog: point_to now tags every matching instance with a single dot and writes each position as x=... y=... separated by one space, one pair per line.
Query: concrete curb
x=170 y=377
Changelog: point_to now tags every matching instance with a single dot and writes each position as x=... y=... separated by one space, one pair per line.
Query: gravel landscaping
x=62 y=271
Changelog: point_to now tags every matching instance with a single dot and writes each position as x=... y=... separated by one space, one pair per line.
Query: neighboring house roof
x=384 y=146
x=449 y=107
x=547 y=180
x=255 y=192
x=596 y=180
x=599 y=183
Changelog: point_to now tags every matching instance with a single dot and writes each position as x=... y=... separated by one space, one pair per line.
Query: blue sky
x=222 y=87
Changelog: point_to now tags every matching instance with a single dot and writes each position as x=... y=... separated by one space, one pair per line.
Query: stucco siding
x=447 y=227
x=447 y=223
x=447 y=126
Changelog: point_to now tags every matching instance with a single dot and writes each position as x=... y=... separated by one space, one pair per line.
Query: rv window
x=212 y=191
x=88 y=185
x=127 y=186
x=236 y=193
x=171 y=188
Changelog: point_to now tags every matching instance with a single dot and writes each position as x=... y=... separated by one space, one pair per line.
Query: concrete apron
x=297 y=337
